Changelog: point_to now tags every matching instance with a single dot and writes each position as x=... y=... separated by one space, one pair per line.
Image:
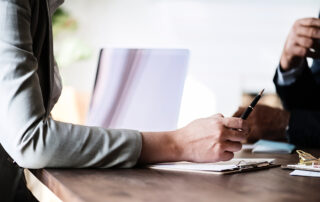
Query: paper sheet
x=214 y=167
x=199 y=166
x=304 y=167
x=305 y=173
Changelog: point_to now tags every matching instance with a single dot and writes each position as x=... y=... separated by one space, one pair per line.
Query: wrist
x=175 y=146
x=160 y=147
x=284 y=63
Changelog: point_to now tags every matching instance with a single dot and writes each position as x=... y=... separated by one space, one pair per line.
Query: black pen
x=246 y=113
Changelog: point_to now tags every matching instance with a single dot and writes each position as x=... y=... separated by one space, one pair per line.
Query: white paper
x=305 y=173
x=199 y=167
x=247 y=146
x=305 y=167
x=218 y=167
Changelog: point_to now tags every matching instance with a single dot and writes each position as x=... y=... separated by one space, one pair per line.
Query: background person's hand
x=265 y=123
x=211 y=139
x=302 y=42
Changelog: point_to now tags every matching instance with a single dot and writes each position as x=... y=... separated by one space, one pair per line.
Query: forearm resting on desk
x=204 y=140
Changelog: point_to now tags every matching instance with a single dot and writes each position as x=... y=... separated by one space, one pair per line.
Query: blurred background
x=235 y=46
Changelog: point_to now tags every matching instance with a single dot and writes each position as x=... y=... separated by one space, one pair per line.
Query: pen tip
x=261 y=92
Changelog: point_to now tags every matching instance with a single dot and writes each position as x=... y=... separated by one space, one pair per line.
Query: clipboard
x=222 y=168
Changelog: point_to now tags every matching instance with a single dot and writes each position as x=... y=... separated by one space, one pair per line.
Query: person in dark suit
x=298 y=87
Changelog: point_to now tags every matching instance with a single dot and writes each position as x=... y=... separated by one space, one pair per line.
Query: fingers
x=234 y=135
x=314 y=22
x=227 y=150
x=231 y=146
x=235 y=123
x=310 y=32
x=301 y=42
x=226 y=156
x=304 y=50
x=299 y=51
x=305 y=42
x=218 y=116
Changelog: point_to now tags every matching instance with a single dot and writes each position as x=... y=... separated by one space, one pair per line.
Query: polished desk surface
x=140 y=184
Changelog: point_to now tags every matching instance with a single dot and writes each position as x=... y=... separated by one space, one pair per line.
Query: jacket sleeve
x=304 y=93
x=31 y=138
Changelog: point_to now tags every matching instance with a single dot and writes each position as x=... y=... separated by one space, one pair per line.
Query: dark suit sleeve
x=304 y=93
x=302 y=99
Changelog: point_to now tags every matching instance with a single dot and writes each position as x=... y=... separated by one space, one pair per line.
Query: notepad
x=267 y=146
x=233 y=166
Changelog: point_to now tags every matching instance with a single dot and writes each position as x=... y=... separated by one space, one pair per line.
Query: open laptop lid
x=138 y=89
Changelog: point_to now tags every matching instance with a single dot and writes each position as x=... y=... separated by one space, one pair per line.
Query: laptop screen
x=138 y=89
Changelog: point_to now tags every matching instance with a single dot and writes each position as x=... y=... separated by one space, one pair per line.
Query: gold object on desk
x=307 y=159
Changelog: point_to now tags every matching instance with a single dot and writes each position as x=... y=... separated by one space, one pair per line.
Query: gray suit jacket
x=30 y=86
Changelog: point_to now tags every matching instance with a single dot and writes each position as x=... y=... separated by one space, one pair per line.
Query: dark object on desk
x=246 y=113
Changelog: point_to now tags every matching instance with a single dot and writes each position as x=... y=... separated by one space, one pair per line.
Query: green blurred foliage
x=62 y=21
x=68 y=47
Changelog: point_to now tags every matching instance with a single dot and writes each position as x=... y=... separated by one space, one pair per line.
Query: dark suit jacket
x=302 y=99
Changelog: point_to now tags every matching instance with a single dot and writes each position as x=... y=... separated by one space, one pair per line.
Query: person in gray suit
x=29 y=88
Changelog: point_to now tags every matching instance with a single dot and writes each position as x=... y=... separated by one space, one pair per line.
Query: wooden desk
x=150 y=185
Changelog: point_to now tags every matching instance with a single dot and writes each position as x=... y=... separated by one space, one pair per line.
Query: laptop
x=138 y=89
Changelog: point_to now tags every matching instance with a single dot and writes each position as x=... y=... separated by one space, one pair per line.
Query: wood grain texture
x=140 y=184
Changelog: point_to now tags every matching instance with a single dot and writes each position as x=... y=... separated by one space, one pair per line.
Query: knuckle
x=226 y=121
x=219 y=115
x=312 y=21
x=309 y=21
x=296 y=23
x=219 y=122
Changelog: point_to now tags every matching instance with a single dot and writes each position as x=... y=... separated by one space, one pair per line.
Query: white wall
x=235 y=45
